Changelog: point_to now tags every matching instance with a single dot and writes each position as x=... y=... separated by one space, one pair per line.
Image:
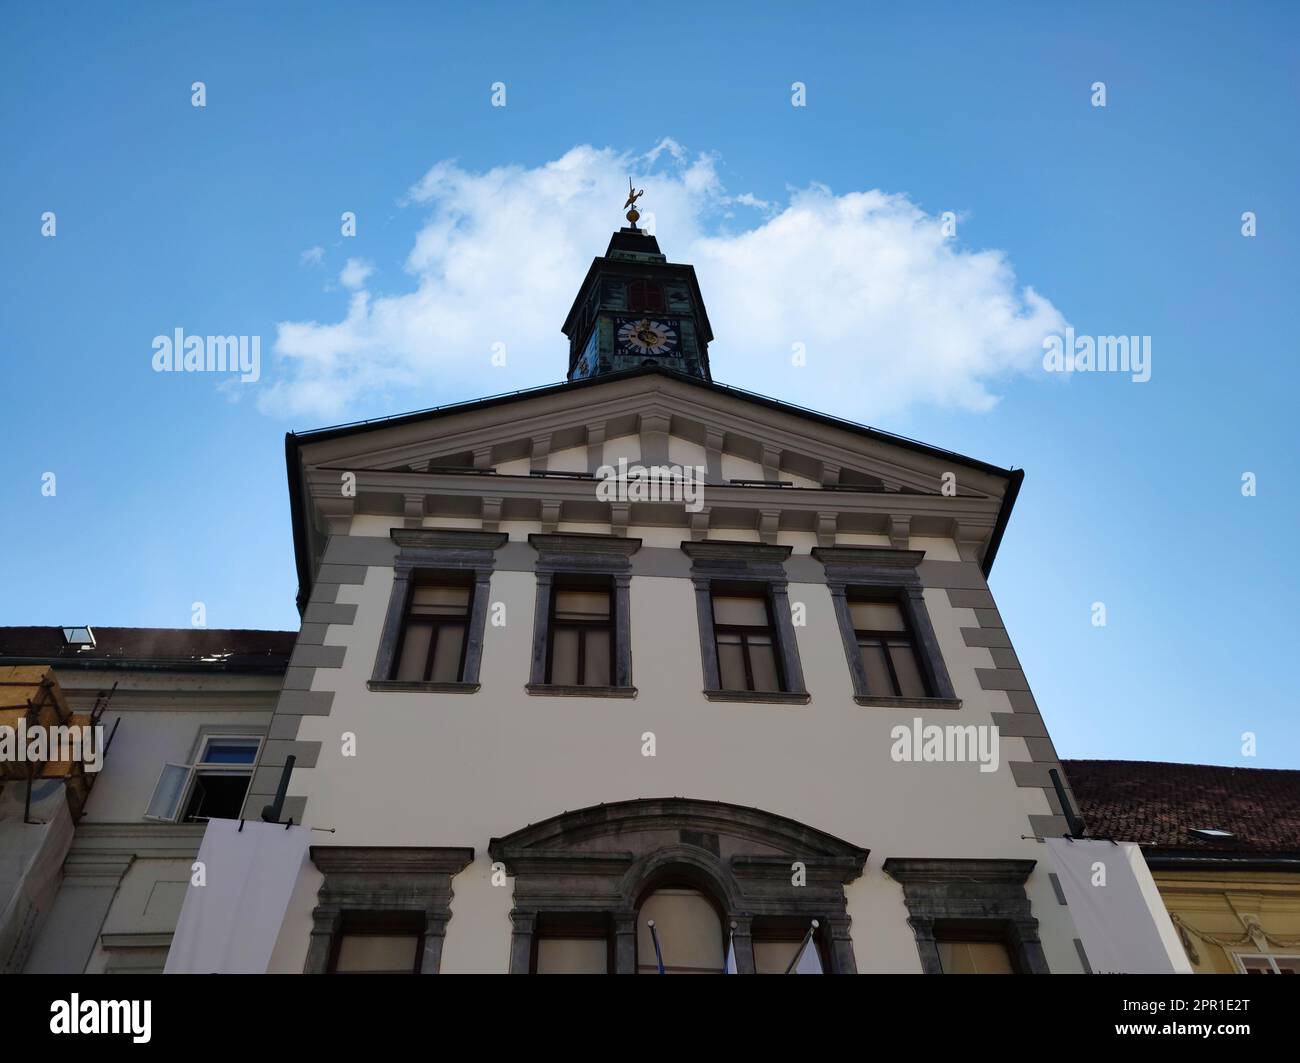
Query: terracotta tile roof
x=1159 y=805
x=203 y=649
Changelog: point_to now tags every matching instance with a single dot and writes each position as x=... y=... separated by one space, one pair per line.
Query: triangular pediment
x=771 y=441
x=766 y=468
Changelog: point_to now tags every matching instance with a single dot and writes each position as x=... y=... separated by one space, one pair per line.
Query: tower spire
x=637 y=309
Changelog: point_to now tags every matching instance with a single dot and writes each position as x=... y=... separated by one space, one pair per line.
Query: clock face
x=646 y=336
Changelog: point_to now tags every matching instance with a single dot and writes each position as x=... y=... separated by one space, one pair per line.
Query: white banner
x=228 y=925
x=1117 y=910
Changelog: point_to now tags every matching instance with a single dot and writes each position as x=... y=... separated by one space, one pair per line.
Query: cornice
x=447 y=539
x=393 y=485
x=390 y=860
x=733 y=550
x=867 y=557
x=924 y=870
x=583 y=543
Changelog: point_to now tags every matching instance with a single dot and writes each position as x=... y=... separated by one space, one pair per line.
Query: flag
x=228 y=925
x=810 y=961
x=1122 y=922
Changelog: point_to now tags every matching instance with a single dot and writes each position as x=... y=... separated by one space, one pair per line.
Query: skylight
x=1212 y=832
x=78 y=636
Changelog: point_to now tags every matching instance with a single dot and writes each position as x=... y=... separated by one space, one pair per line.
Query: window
x=970 y=916
x=646 y=296
x=779 y=942
x=689 y=930
x=82 y=637
x=974 y=957
x=437 y=611
x=582 y=636
x=213 y=787
x=434 y=634
x=578 y=943
x=748 y=650
x=746 y=640
x=1269 y=964
x=382 y=943
x=889 y=641
x=699 y=869
x=381 y=909
x=581 y=647
x=887 y=649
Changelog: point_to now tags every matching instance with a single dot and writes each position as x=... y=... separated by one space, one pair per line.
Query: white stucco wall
x=457 y=770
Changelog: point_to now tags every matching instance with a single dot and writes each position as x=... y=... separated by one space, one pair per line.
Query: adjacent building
x=1223 y=845
x=188 y=712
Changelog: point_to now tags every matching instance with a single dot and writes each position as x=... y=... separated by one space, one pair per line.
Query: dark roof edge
x=1191 y=860
x=301 y=554
x=166 y=664
x=293 y=441
x=1014 y=480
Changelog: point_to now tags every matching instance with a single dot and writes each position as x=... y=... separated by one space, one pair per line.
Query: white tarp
x=1116 y=908
x=229 y=924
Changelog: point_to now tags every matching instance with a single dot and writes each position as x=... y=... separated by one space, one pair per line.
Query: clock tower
x=636 y=308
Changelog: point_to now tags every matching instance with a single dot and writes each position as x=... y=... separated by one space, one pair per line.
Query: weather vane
x=633 y=194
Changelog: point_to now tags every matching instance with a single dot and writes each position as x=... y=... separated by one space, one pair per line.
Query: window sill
x=410 y=687
x=556 y=690
x=761 y=697
x=876 y=702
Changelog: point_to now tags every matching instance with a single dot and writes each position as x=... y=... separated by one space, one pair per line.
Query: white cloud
x=890 y=313
x=355 y=273
x=313 y=256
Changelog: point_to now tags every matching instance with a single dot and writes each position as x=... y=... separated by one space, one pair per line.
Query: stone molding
x=604 y=860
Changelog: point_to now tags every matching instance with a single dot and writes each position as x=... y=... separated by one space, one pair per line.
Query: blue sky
x=1121 y=220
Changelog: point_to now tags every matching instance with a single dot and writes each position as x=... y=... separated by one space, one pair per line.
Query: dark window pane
x=582 y=605
x=731 y=663
x=415 y=652
x=873 y=660
x=216 y=796
x=377 y=954
x=439 y=601
x=748 y=612
x=446 y=654
x=231 y=751
x=910 y=682
x=572 y=956
x=645 y=295
x=564 y=656
x=974 y=957
x=877 y=616
x=597 y=658
x=762 y=662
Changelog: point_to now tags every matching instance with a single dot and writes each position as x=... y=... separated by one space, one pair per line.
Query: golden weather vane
x=633 y=194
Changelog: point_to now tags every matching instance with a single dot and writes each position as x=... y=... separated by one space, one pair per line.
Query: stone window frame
x=727 y=562
x=980 y=895
x=432 y=550
x=599 y=877
x=583 y=554
x=379 y=881
x=895 y=572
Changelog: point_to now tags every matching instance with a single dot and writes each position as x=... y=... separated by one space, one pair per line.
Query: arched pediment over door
x=590 y=871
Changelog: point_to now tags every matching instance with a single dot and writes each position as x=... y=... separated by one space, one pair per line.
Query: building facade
x=546 y=690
